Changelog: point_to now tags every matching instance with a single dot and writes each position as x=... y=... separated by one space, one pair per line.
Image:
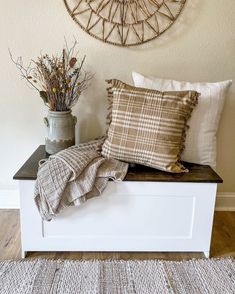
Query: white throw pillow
x=200 y=144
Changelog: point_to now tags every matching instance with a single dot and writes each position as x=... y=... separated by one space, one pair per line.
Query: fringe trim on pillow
x=114 y=84
x=109 y=115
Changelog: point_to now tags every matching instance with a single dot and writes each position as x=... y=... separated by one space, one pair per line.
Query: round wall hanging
x=124 y=22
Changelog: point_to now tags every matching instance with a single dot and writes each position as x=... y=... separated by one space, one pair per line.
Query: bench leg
x=207 y=254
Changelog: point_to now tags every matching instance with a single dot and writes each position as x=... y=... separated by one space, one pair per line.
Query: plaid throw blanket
x=74 y=175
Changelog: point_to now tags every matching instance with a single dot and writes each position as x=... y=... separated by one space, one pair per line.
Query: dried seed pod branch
x=25 y=71
x=59 y=80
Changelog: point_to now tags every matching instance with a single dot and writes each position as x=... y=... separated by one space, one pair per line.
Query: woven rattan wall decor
x=124 y=22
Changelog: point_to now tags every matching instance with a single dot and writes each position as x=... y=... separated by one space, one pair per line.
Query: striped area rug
x=116 y=276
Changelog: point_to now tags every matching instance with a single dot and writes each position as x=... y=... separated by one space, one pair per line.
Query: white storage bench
x=149 y=211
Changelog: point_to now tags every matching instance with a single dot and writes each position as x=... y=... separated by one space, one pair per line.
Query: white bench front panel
x=129 y=216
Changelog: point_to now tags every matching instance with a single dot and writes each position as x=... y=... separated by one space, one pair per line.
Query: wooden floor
x=223 y=242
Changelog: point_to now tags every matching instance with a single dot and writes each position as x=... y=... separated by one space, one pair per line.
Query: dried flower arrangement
x=59 y=79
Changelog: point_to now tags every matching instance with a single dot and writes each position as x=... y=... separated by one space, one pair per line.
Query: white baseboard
x=225 y=201
x=9 y=198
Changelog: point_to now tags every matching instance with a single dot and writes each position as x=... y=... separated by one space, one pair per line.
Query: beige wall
x=199 y=47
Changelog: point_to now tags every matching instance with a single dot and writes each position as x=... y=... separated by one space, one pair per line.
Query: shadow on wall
x=91 y=112
x=88 y=127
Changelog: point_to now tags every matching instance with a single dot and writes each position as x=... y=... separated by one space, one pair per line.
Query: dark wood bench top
x=197 y=173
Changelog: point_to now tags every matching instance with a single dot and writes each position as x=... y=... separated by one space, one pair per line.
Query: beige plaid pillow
x=148 y=126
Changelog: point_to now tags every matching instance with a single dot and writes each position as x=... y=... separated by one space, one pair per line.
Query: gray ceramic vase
x=60 y=130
